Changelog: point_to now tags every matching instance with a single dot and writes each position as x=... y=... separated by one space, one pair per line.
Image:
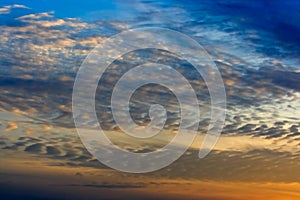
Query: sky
x=254 y=45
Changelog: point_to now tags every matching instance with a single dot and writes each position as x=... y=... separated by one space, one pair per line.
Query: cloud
x=36 y=16
x=7 y=9
x=47 y=20
x=112 y=186
x=287 y=79
x=45 y=53
x=35 y=148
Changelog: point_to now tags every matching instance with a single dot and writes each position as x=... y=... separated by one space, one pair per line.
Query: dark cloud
x=294 y=128
x=261 y=127
x=279 y=123
x=11 y=147
x=52 y=151
x=35 y=148
x=247 y=128
x=288 y=79
x=276 y=135
x=112 y=186
x=252 y=165
x=295 y=134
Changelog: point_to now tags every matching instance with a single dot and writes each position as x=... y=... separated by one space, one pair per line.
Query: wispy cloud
x=7 y=9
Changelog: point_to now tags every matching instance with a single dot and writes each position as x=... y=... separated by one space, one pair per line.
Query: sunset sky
x=255 y=46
